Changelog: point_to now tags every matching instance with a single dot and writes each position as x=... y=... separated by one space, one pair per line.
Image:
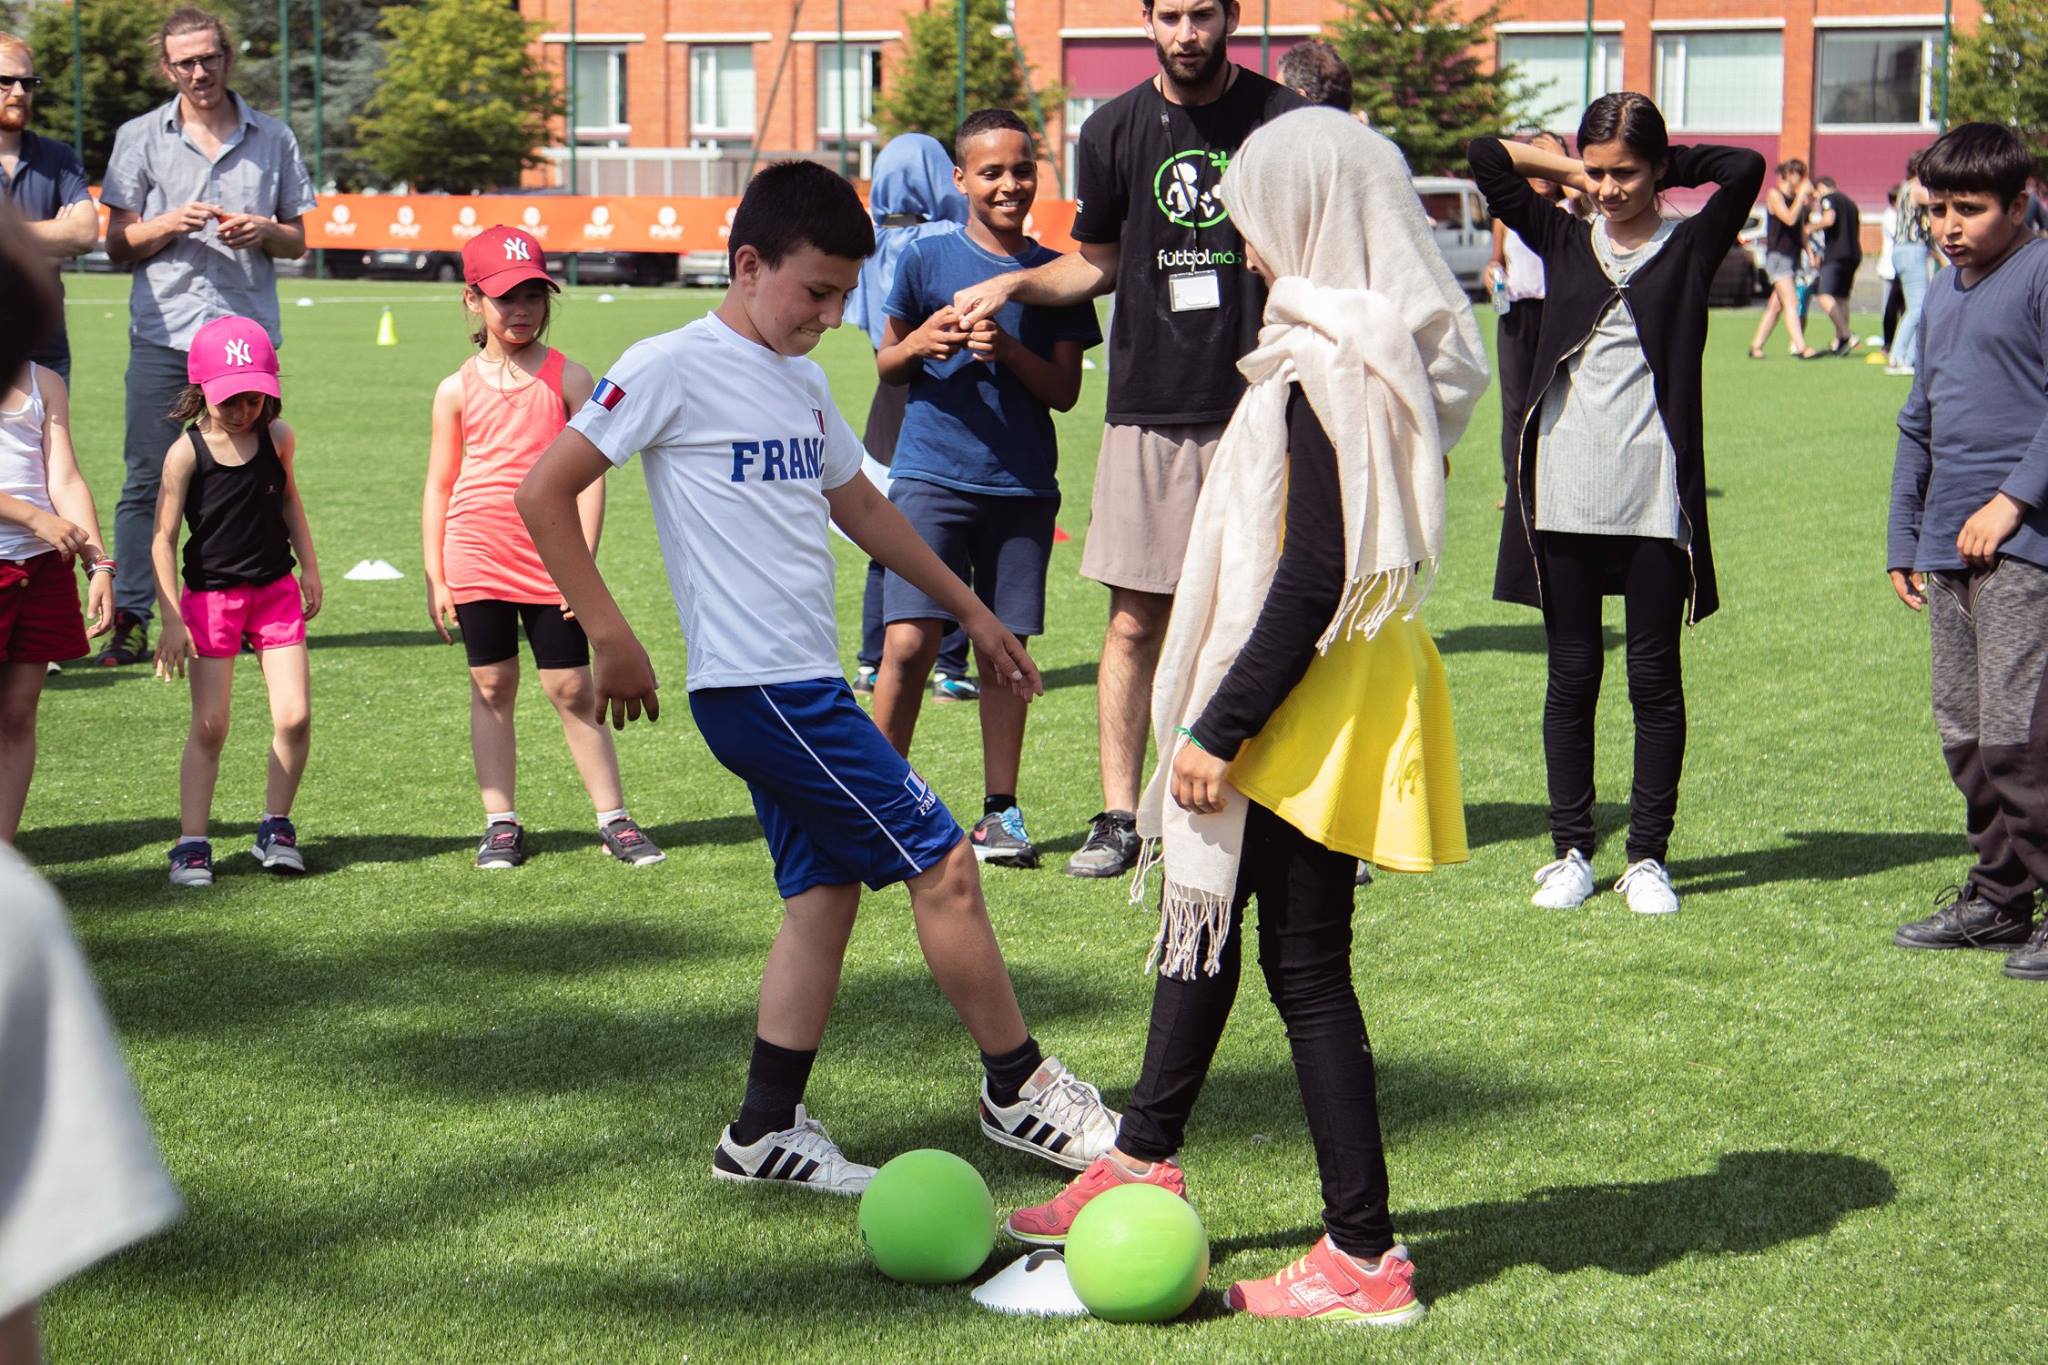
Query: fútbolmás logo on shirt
x=1184 y=188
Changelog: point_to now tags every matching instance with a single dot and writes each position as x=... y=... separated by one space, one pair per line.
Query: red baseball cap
x=232 y=355
x=499 y=257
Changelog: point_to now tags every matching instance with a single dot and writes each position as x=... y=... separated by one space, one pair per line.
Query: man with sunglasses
x=46 y=182
x=203 y=194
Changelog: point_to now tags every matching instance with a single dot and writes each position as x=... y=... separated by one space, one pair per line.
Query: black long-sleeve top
x=1307 y=585
x=1668 y=299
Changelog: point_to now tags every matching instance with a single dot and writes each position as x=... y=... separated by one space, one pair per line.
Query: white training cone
x=1032 y=1286
x=373 y=571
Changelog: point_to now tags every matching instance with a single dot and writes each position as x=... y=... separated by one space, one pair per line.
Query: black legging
x=1652 y=577
x=1305 y=894
x=1515 y=361
x=1894 y=309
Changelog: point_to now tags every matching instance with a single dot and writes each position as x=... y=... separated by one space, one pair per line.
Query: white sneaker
x=1057 y=1116
x=803 y=1156
x=1648 y=888
x=1905 y=370
x=1564 y=884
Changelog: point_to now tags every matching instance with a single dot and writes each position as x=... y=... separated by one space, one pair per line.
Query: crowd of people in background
x=1290 y=361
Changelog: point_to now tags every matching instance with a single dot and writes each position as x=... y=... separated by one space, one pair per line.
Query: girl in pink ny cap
x=229 y=479
x=492 y=419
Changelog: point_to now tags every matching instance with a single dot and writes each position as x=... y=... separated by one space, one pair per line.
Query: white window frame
x=868 y=57
x=1070 y=167
x=716 y=53
x=615 y=77
x=1671 y=94
x=1930 y=41
x=1606 y=32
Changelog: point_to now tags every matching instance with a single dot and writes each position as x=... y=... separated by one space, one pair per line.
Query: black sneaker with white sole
x=2030 y=963
x=629 y=843
x=803 y=1157
x=1966 y=920
x=1057 y=1116
x=504 y=845
x=999 y=837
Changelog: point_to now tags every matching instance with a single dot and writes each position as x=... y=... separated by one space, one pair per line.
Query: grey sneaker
x=504 y=845
x=277 y=847
x=628 y=843
x=1112 y=847
x=999 y=837
x=192 y=863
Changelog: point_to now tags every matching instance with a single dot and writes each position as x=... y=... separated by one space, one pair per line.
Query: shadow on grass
x=1750 y=1202
x=1501 y=822
x=378 y=639
x=1069 y=675
x=1523 y=637
x=57 y=845
x=1819 y=855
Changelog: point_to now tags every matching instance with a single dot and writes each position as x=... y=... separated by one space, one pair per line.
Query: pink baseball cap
x=232 y=355
x=499 y=257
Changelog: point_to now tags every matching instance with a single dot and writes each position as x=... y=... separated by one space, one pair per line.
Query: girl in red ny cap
x=492 y=419
x=229 y=480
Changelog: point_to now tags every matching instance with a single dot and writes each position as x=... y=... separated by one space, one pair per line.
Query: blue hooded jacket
x=913 y=175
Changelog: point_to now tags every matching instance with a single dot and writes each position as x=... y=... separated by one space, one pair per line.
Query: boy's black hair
x=987 y=121
x=1985 y=158
x=790 y=204
x=1632 y=119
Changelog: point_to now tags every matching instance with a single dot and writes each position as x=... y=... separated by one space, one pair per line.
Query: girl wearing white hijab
x=1302 y=706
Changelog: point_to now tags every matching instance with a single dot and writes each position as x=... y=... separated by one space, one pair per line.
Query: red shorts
x=269 y=617
x=40 y=619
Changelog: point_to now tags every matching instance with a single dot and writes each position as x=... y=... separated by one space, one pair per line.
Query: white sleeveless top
x=24 y=471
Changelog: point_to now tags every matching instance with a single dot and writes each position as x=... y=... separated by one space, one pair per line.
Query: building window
x=600 y=92
x=857 y=82
x=1553 y=67
x=1877 y=77
x=722 y=89
x=1722 y=82
x=1079 y=107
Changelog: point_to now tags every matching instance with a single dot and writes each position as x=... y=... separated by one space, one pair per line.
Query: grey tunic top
x=1605 y=465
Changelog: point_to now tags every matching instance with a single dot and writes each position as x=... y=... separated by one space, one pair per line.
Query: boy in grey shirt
x=1969 y=533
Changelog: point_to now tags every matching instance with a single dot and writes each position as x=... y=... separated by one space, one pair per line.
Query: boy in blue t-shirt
x=745 y=457
x=1969 y=533
x=975 y=467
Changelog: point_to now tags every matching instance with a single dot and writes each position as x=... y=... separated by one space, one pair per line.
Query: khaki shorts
x=1146 y=482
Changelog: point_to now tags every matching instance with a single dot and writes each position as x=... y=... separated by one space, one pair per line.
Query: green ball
x=1137 y=1253
x=927 y=1218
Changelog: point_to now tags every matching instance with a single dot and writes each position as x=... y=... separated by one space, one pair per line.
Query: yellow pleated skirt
x=1362 y=756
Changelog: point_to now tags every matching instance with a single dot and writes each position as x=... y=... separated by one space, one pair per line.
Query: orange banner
x=653 y=223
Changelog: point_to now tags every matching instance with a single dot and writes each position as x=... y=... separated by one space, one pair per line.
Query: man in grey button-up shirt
x=202 y=194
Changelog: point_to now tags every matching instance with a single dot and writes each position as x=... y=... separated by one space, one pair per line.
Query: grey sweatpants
x=156 y=375
x=1989 y=632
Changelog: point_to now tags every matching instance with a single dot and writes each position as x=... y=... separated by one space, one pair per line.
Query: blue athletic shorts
x=838 y=804
x=1001 y=545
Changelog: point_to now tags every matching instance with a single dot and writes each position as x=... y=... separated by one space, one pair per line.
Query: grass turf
x=421 y=1112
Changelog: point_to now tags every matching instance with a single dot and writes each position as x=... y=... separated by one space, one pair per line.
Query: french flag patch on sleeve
x=607 y=395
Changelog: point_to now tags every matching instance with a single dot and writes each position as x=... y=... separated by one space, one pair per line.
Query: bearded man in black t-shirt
x=1151 y=228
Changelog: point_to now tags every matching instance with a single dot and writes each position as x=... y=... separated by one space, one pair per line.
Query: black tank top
x=1784 y=238
x=234 y=519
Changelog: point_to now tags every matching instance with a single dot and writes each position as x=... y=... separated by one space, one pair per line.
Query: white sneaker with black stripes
x=1057 y=1116
x=802 y=1156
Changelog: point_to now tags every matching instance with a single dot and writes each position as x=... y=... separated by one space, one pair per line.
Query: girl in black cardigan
x=1610 y=490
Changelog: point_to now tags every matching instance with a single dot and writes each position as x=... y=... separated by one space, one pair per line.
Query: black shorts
x=490 y=634
x=1001 y=545
x=1836 y=277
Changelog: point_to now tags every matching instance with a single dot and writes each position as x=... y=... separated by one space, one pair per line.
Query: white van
x=1459 y=223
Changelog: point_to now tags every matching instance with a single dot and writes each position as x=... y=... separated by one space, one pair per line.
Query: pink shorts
x=269 y=617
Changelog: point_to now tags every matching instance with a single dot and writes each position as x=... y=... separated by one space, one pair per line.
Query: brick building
x=677 y=96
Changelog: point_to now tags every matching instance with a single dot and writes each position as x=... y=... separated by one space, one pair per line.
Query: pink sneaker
x=1328 y=1286
x=1046 y=1225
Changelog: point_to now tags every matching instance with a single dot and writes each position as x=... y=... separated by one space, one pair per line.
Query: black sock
x=1007 y=1071
x=995 y=803
x=775 y=1084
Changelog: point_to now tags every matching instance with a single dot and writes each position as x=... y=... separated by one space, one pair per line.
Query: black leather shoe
x=2030 y=963
x=1966 y=921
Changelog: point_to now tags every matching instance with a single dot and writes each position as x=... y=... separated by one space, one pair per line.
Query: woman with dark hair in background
x=1609 y=494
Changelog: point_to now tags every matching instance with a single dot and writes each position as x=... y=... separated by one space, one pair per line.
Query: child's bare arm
x=444 y=462
x=311 y=591
x=173 y=644
x=1055 y=382
x=577 y=386
x=68 y=491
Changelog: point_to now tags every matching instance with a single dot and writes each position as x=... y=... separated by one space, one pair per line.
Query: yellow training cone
x=1876 y=358
x=387 y=331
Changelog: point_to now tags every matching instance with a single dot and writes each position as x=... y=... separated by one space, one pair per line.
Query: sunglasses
x=192 y=66
x=28 y=84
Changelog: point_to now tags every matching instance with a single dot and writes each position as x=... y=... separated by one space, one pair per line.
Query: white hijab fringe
x=1367 y=319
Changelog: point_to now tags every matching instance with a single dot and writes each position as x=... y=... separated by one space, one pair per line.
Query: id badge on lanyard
x=1190 y=290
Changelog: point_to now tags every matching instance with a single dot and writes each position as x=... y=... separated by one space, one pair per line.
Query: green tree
x=463 y=102
x=351 y=56
x=118 y=40
x=923 y=96
x=1420 y=80
x=1999 y=74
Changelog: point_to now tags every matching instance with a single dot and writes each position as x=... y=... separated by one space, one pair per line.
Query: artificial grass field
x=418 y=1112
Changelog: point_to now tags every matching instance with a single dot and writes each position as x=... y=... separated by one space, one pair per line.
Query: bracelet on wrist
x=105 y=566
x=1189 y=735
